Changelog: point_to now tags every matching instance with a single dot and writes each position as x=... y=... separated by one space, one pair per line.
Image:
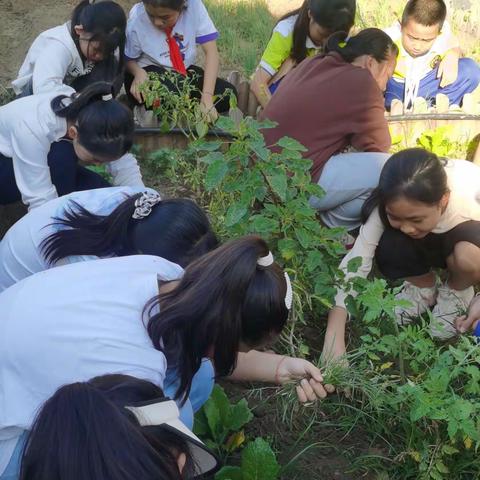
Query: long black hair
x=224 y=298
x=333 y=15
x=371 y=41
x=176 y=229
x=107 y=22
x=105 y=126
x=414 y=173
x=84 y=432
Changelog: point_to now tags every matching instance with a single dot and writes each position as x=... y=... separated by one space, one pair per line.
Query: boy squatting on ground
x=429 y=60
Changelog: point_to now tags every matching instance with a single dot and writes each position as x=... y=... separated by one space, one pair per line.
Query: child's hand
x=470 y=321
x=311 y=385
x=208 y=109
x=140 y=77
x=448 y=68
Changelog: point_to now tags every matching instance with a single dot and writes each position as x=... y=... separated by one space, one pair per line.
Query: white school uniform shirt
x=20 y=254
x=148 y=45
x=463 y=179
x=28 y=126
x=52 y=60
x=70 y=324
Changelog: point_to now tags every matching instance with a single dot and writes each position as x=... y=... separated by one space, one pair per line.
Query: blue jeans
x=467 y=81
x=66 y=174
x=202 y=386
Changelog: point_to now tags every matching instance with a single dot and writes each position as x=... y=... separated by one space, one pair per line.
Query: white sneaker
x=450 y=305
x=421 y=299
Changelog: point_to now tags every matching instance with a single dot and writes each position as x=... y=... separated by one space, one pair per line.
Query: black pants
x=198 y=74
x=66 y=174
x=400 y=256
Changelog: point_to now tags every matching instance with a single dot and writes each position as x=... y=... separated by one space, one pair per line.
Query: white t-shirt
x=70 y=324
x=148 y=45
x=408 y=67
x=20 y=254
x=52 y=60
x=463 y=179
x=28 y=127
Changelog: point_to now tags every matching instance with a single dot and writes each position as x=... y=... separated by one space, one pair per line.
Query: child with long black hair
x=424 y=215
x=105 y=222
x=44 y=137
x=112 y=427
x=78 y=52
x=146 y=317
x=298 y=35
x=163 y=35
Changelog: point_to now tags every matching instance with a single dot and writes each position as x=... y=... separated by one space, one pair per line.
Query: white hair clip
x=289 y=293
x=265 y=261
x=144 y=205
x=107 y=97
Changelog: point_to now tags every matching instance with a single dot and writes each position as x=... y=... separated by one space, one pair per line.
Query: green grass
x=245 y=27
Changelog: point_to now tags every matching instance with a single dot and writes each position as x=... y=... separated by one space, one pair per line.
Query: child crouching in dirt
x=424 y=215
x=429 y=60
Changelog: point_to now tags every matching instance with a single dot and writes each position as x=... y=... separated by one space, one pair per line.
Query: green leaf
x=314 y=260
x=217 y=410
x=259 y=461
x=229 y=473
x=235 y=213
x=290 y=144
x=354 y=264
x=288 y=248
x=216 y=172
x=201 y=128
x=240 y=414
x=200 y=425
x=278 y=183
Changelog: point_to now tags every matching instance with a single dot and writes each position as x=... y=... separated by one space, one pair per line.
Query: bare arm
x=334 y=343
x=259 y=86
x=212 y=61
x=139 y=76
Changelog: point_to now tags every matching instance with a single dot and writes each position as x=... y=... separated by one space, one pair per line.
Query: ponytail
x=371 y=41
x=80 y=434
x=224 y=298
x=332 y=15
x=106 y=21
x=105 y=126
x=175 y=229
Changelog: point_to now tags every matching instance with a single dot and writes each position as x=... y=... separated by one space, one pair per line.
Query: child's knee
x=469 y=71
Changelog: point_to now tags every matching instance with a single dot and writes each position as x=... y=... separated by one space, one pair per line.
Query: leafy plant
x=437 y=141
x=258 y=463
x=174 y=100
x=221 y=423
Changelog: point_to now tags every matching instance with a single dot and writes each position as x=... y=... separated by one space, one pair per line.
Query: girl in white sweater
x=79 y=52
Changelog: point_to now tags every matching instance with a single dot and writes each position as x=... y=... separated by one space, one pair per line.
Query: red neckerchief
x=175 y=54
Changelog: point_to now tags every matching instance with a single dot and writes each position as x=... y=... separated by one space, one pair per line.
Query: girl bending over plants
x=424 y=215
x=145 y=316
